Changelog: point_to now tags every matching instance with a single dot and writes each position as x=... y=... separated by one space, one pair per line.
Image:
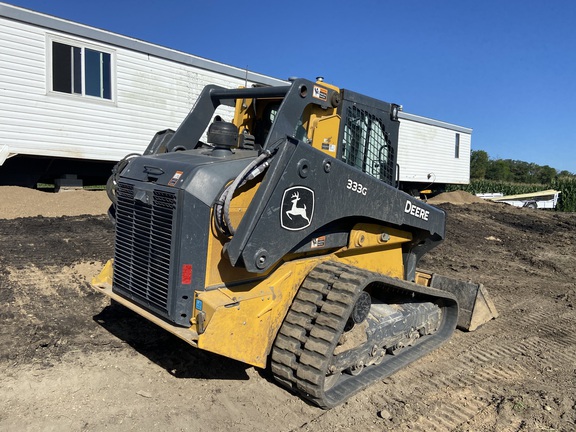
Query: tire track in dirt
x=514 y=374
x=472 y=375
x=497 y=362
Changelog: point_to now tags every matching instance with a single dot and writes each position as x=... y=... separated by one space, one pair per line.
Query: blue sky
x=506 y=69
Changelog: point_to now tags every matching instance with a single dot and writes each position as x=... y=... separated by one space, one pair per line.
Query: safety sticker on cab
x=320 y=93
x=175 y=178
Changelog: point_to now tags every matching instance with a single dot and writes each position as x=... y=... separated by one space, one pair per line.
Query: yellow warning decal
x=320 y=93
x=175 y=178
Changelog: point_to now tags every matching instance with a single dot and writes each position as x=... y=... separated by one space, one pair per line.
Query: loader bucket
x=474 y=304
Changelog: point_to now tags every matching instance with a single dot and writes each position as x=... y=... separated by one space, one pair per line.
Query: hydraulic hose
x=113 y=179
x=222 y=206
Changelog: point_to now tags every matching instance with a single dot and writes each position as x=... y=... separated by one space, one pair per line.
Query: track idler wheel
x=361 y=308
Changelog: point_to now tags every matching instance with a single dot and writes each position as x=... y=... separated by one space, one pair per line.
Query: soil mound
x=24 y=202
x=456 y=197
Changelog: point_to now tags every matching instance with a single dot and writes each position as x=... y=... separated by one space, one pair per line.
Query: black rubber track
x=304 y=346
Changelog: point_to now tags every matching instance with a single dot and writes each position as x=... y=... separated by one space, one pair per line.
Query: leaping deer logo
x=295 y=210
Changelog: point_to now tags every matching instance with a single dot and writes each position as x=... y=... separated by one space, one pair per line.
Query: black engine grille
x=144 y=234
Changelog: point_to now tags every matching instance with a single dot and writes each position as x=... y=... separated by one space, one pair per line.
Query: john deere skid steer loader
x=282 y=240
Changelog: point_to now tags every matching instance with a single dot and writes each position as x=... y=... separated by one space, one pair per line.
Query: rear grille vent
x=144 y=233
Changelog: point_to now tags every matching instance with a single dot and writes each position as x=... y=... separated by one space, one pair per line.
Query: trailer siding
x=149 y=93
x=427 y=151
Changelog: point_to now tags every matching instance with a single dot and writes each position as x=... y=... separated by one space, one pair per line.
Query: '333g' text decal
x=356 y=187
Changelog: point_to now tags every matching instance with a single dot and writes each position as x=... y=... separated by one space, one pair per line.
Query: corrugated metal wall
x=151 y=94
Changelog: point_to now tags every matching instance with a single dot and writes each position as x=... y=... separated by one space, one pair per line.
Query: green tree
x=499 y=169
x=478 y=164
x=565 y=173
x=546 y=174
x=521 y=172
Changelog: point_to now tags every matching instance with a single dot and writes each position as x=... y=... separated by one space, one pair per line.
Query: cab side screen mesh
x=366 y=145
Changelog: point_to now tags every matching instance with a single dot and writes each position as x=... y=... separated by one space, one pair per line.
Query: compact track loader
x=282 y=240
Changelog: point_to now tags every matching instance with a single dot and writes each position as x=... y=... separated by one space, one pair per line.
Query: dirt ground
x=71 y=361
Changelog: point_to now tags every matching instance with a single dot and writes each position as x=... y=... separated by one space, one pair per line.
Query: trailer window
x=81 y=70
x=457 y=146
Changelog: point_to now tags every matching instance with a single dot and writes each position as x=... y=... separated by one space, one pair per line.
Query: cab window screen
x=365 y=145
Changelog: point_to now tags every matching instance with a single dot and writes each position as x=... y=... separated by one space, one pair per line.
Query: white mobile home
x=432 y=153
x=73 y=92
